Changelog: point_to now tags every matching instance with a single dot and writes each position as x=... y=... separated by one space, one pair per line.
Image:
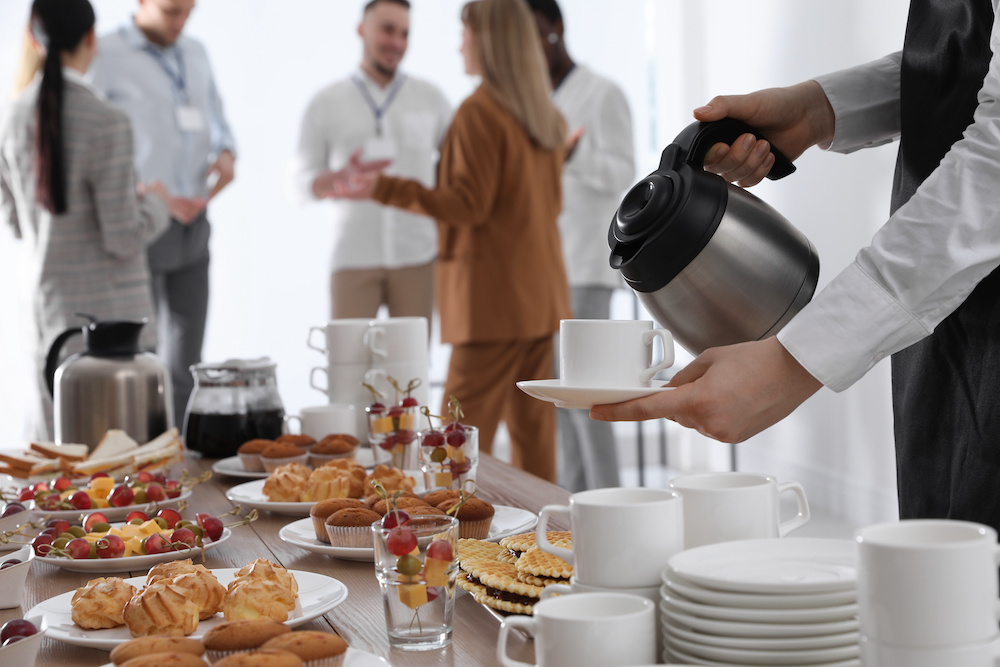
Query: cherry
x=94 y=519
x=170 y=515
x=440 y=550
x=156 y=544
x=432 y=438
x=185 y=536
x=401 y=541
x=18 y=627
x=121 y=496
x=61 y=483
x=395 y=518
x=80 y=500
x=137 y=514
x=110 y=546
x=212 y=526
x=78 y=548
x=155 y=492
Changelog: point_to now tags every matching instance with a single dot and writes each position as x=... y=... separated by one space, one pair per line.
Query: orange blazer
x=500 y=273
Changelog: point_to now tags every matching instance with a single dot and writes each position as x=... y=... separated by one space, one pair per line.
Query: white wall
x=269 y=270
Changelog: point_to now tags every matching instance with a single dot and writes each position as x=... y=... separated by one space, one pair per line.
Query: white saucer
x=743 y=614
x=673 y=655
x=744 y=629
x=769 y=658
x=583 y=398
x=762 y=643
x=696 y=593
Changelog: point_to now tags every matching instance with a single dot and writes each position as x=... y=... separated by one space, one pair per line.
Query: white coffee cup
x=343 y=340
x=586 y=630
x=928 y=583
x=622 y=537
x=981 y=654
x=398 y=339
x=322 y=420
x=611 y=353
x=727 y=506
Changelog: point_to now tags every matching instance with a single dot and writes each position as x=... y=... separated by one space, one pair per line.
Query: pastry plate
x=112 y=513
x=506 y=522
x=251 y=495
x=353 y=658
x=318 y=594
x=583 y=398
x=233 y=467
x=131 y=563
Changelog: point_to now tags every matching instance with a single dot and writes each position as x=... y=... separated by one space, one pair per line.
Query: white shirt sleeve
x=924 y=261
x=312 y=154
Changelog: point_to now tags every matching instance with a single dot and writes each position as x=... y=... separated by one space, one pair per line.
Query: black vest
x=946 y=387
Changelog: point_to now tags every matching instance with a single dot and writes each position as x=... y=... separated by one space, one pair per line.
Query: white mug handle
x=373 y=375
x=371 y=341
x=802 y=517
x=555 y=589
x=543 y=541
x=667 y=339
x=309 y=339
x=312 y=380
x=289 y=418
x=527 y=624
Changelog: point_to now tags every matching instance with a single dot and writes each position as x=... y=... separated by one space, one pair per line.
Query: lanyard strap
x=178 y=78
x=379 y=111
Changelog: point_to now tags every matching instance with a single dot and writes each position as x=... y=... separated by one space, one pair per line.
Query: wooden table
x=361 y=618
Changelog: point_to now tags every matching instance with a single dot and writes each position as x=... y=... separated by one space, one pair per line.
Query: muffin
x=474 y=517
x=268 y=657
x=435 y=498
x=382 y=506
x=372 y=499
x=278 y=454
x=325 y=483
x=286 y=484
x=324 y=508
x=334 y=446
x=155 y=644
x=303 y=441
x=352 y=527
x=316 y=649
x=164 y=660
x=245 y=635
x=425 y=511
x=249 y=453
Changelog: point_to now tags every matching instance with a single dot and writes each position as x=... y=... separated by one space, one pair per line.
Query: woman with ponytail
x=67 y=187
x=500 y=283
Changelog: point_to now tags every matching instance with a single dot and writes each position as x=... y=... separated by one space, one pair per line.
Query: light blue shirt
x=170 y=96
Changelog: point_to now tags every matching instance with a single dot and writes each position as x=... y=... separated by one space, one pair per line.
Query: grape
x=17 y=628
x=61 y=484
x=13 y=508
x=51 y=501
x=9 y=563
x=110 y=546
x=156 y=544
x=375 y=409
x=405 y=437
x=121 y=496
x=459 y=468
x=80 y=500
x=78 y=548
x=439 y=455
x=26 y=494
x=171 y=516
x=454 y=426
x=408 y=564
x=395 y=411
x=409 y=402
x=137 y=514
x=395 y=518
x=155 y=493
x=184 y=535
x=400 y=541
x=212 y=526
x=42 y=544
x=440 y=550
x=456 y=438
x=433 y=438
x=59 y=525
x=94 y=519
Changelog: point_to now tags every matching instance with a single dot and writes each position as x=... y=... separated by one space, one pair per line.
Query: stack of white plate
x=785 y=602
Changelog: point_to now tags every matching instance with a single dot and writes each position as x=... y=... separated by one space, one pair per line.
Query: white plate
x=132 y=563
x=762 y=643
x=751 y=657
x=583 y=398
x=506 y=522
x=353 y=658
x=740 y=629
x=821 y=615
x=251 y=495
x=674 y=655
x=233 y=466
x=112 y=513
x=758 y=601
x=318 y=594
x=789 y=565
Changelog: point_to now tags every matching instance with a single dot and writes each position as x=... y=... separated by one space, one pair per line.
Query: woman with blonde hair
x=500 y=283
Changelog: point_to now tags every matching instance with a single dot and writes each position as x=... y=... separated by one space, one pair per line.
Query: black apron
x=946 y=387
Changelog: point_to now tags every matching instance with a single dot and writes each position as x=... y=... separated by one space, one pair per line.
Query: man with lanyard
x=927 y=290
x=164 y=82
x=378 y=116
x=597 y=173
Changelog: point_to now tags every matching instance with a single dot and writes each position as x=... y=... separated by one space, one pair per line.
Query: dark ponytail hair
x=58 y=26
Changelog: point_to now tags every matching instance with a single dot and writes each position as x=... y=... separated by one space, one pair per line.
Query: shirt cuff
x=865 y=101
x=851 y=325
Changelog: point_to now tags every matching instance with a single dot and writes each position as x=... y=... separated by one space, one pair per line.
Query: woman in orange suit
x=500 y=283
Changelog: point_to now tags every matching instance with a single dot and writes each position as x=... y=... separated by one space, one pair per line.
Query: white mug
x=611 y=353
x=727 y=506
x=586 y=630
x=323 y=420
x=928 y=583
x=398 y=340
x=343 y=340
x=981 y=654
x=622 y=537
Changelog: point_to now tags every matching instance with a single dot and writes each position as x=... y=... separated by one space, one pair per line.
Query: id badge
x=379 y=148
x=190 y=119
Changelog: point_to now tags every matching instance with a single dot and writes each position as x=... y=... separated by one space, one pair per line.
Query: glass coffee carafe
x=232 y=402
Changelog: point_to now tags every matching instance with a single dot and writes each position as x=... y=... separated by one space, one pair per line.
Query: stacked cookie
x=511 y=575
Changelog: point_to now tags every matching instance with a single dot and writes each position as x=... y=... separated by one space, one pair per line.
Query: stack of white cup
x=927 y=594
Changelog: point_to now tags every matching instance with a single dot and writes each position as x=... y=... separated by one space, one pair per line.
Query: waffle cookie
x=500 y=588
x=540 y=568
x=518 y=544
x=469 y=548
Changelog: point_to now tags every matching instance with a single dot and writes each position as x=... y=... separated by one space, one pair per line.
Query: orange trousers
x=482 y=377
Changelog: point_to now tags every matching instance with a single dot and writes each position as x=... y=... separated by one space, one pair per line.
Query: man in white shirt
x=374 y=117
x=925 y=291
x=598 y=171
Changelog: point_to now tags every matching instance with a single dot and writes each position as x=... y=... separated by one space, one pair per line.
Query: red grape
x=454 y=426
x=137 y=514
x=170 y=515
x=78 y=548
x=61 y=484
x=94 y=519
x=409 y=402
x=173 y=488
x=395 y=518
x=13 y=508
x=18 y=627
x=375 y=409
x=99 y=474
x=42 y=545
x=432 y=438
x=456 y=438
x=26 y=494
x=50 y=502
x=156 y=544
x=401 y=541
x=440 y=550
x=185 y=535
x=121 y=496
x=395 y=411
x=155 y=493
x=212 y=526
x=9 y=563
x=459 y=468
x=80 y=500
x=110 y=546
x=145 y=477
x=58 y=525
x=405 y=436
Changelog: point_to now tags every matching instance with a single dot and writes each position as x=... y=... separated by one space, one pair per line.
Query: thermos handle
x=52 y=360
x=693 y=143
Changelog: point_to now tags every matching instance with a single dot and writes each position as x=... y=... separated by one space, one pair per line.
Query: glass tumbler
x=449 y=459
x=416 y=565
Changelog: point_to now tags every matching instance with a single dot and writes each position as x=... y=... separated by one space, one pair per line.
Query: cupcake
x=474 y=517
x=324 y=508
x=316 y=649
x=382 y=506
x=304 y=441
x=278 y=454
x=334 y=446
x=373 y=499
x=435 y=498
x=227 y=638
x=264 y=657
x=249 y=453
x=351 y=527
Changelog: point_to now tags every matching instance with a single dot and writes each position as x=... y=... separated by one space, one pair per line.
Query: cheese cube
x=406 y=421
x=436 y=571
x=456 y=454
x=412 y=595
x=383 y=425
x=442 y=479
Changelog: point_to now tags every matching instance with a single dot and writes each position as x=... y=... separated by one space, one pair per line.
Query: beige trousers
x=407 y=292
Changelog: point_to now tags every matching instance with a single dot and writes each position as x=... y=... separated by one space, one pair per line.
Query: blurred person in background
x=163 y=81
x=500 y=283
x=379 y=115
x=598 y=171
x=68 y=189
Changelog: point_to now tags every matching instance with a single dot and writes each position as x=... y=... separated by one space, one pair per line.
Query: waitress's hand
x=794 y=118
x=728 y=393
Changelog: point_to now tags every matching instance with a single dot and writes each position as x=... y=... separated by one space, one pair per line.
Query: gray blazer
x=91 y=259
